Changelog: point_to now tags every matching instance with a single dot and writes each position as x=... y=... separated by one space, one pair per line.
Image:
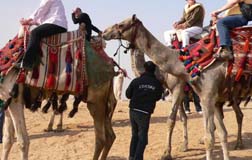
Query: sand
x=77 y=141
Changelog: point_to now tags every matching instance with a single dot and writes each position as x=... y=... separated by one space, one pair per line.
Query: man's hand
x=215 y=13
x=27 y=21
x=181 y=26
x=175 y=24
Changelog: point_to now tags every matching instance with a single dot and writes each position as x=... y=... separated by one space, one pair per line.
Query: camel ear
x=134 y=17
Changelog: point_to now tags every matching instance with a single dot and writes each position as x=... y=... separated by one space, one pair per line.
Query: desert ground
x=77 y=141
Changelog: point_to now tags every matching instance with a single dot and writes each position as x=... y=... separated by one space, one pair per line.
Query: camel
x=209 y=86
x=101 y=103
x=170 y=82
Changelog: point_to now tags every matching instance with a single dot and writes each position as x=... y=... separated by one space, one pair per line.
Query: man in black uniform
x=143 y=93
x=79 y=17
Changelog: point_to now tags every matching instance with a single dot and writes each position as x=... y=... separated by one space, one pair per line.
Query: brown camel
x=101 y=103
x=209 y=86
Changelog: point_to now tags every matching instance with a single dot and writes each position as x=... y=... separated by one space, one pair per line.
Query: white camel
x=209 y=86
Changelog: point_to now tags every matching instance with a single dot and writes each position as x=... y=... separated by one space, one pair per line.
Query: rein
x=131 y=45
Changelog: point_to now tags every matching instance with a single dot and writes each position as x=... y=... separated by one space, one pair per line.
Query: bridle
x=134 y=30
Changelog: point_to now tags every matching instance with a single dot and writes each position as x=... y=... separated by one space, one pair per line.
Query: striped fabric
x=62 y=65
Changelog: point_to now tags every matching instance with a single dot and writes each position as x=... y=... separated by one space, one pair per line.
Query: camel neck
x=166 y=58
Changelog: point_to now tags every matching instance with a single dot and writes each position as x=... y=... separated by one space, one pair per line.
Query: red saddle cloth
x=10 y=54
x=63 y=64
x=199 y=55
x=241 y=39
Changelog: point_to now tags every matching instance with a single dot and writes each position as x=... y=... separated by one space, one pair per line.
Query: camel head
x=124 y=30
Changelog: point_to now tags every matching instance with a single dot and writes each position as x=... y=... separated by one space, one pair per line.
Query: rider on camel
x=51 y=19
x=80 y=17
x=189 y=25
x=232 y=18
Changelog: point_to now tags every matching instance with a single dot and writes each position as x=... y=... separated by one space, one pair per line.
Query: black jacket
x=84 y=18
x=143 y=92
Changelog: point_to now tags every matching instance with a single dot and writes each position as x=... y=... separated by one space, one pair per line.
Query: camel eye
x=120 y=26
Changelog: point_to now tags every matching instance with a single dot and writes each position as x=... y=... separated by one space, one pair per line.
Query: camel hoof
x=238 y=147
x=167 y=157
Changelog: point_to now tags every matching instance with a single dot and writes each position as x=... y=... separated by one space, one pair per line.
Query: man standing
x=79 y=17
x=143 y=93
x=189 y=25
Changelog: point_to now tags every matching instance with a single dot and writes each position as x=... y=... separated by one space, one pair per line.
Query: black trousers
x=139 y=127
x=33 y=48
x=196 y=101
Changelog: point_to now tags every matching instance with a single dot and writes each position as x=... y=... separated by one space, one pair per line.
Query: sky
x=156 y=15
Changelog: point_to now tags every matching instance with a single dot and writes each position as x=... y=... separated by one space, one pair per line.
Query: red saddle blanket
x=63 y=64
x=199 y=55
x=241 y=39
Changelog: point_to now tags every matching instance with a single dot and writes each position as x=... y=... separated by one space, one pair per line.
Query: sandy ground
x=77 y=142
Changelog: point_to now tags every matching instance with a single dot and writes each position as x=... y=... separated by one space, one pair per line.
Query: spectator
x=143 y=93
x=196 y=100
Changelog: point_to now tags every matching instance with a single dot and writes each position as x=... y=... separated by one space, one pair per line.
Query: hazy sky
x=156 y=15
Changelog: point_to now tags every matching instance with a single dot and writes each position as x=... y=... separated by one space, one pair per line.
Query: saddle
x=69 y=63
x=199 y=55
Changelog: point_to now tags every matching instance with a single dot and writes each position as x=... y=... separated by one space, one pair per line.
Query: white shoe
x=187 y=112
x=200 y=112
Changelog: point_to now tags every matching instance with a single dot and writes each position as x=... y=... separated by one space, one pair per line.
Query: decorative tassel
x=53 y=56
x=77 y=100
x=196 y=54
x=55 y=101
x=21 y=77
x=68 y=68
x=78 y=54
x=46 y=107
x=190 y=65
x=35 y=73
x=77 y=87
x=238 y=75
x=68 y=58
x=188 y=61
x=246 y=46
x=51 y=68
x=38 y=102
x=50 y=81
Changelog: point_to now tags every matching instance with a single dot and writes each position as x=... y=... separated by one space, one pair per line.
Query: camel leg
x=183 y=118
x=208 y=115
x=222 y=132
x=171 y=123
x=110 y=134
x=60 y=123
x=8 y=137
x=99 y=120
x=239 y=119
x=16 y=110
x=50 y=125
